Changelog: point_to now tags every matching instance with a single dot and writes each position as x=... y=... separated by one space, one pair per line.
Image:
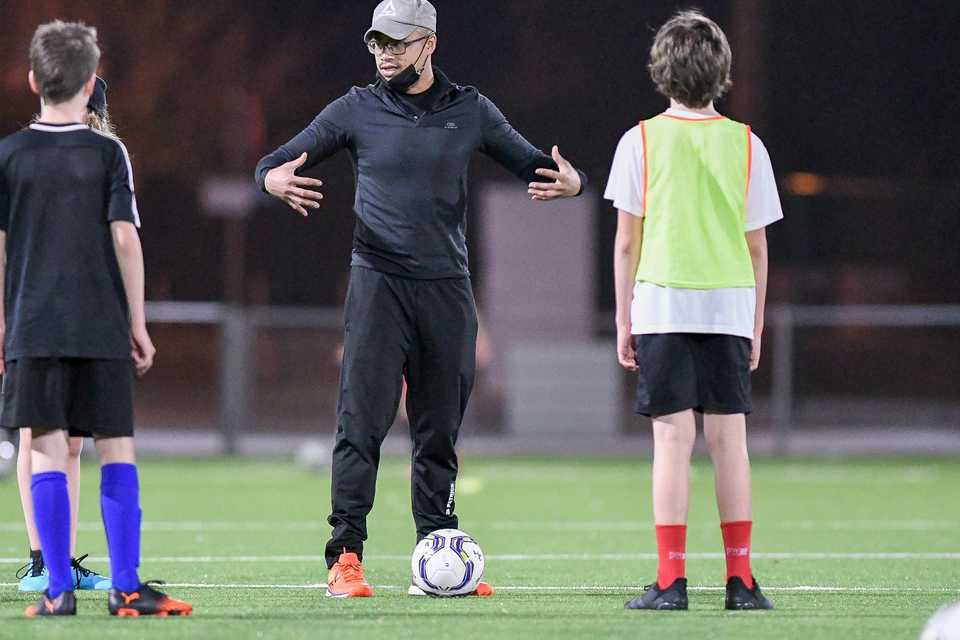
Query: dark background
x=856 y=101
x=862 y=93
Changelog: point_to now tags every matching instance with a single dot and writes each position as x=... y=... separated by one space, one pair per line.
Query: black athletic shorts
x=709 y=373
x=88 y=397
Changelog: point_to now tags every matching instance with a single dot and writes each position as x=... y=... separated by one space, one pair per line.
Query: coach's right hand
x=284 y=183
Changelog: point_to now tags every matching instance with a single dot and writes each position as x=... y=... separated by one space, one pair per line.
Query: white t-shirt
x=658 y=309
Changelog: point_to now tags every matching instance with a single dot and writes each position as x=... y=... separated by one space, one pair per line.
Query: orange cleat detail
x=146 y=601
x=346 y=580
x=63 y=605
x=172 y=607
x=484 y=590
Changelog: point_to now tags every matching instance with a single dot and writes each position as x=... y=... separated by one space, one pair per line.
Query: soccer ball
x=314 y=456
x=944 y=624
x=447 y=563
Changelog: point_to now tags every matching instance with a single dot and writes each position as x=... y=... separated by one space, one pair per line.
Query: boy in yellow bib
x=694 y=192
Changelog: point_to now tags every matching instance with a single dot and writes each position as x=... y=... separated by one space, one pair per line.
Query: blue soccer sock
x=120 y=505
x=51 y=508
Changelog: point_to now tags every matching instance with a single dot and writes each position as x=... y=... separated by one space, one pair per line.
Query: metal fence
x=237 y=327
x=785 y=320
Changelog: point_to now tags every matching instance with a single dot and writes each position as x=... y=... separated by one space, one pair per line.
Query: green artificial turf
x=568 y=542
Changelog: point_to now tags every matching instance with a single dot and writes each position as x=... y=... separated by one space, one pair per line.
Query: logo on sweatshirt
x=451 y=125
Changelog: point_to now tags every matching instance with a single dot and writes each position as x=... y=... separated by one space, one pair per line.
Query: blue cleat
x=33 y=576
x=88 y=580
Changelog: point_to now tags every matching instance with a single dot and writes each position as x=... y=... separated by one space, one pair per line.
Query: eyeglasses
x=393 y=47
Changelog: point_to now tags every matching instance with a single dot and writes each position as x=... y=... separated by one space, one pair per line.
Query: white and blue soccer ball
x=944 y=624
x=447 y=562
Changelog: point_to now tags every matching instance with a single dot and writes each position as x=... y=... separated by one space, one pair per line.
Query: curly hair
x=690 y=60
x=103 y=124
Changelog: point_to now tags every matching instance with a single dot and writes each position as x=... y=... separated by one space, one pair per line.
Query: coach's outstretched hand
x=284 y=183
x=566 y=181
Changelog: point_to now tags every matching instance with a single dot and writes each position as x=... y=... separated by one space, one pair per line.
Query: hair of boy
x=690 y=60
x=63 y=57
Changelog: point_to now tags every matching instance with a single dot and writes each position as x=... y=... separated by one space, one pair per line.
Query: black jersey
x=60 y=188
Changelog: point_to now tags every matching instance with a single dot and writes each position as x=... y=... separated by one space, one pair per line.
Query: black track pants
x=426 y=332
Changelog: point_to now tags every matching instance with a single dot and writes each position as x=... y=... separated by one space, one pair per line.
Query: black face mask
x=402 y=81
x=408 y=77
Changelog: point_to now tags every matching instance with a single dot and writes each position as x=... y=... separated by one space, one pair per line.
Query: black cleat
x=739 y=598
x=63 y=605
x=673 y=598
x=146 y=601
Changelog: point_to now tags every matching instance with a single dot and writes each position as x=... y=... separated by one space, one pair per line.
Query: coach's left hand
x=566 y=181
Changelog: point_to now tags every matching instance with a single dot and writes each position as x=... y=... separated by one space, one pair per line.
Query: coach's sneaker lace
x=33 y=576
x=673 y=598
x=346 y=580
x=146 y=601
x=740 y=598
x=63 y=605
x=88 y=580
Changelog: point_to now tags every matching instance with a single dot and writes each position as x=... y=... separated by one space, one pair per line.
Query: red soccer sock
x=672 y=553
x=736 y=548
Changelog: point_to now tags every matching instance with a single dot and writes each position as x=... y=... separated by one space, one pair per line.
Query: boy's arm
x=626 y=258
x=757 y=241
x=126 y=244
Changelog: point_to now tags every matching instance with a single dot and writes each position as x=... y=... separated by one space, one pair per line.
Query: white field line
x=568 y=588
x=804 y=525
x=521 y=525
x=534 y=557
x=198 y=526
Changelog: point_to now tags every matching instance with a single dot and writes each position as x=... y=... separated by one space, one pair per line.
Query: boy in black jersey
x=33 y=575
x=73 y=315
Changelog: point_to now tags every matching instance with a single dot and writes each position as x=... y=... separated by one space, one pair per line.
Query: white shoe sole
x=414 y=590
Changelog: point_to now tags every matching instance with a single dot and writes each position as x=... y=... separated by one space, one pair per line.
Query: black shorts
x=709 y=373
x=88 y=397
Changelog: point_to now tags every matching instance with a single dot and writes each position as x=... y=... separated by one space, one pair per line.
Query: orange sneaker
x=346 y=579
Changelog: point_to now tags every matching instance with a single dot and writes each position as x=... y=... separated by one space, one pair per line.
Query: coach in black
x=410 y=312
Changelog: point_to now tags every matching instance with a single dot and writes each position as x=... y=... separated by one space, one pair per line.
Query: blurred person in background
x=33 y=575
x=694 y=192
x=410 y=312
